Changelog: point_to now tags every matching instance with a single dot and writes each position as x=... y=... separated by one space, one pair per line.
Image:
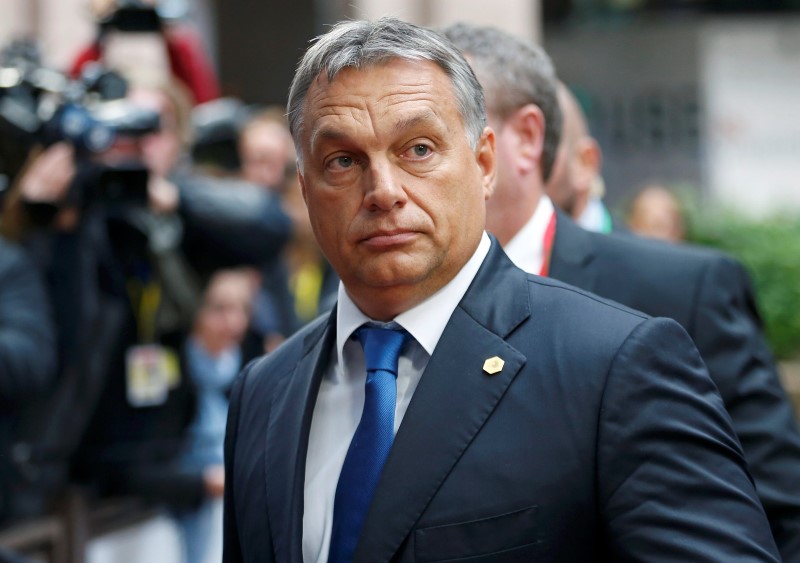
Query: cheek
x=332 y=209
x=327 y=224
x=207 y=326
x=238 y=323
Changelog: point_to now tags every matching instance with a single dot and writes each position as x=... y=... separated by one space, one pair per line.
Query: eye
x=419 y=151
x=341 y=163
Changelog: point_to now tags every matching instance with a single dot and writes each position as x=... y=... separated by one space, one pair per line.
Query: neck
x=384 y=304
x=505 y=221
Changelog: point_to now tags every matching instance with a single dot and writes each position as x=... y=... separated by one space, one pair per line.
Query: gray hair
x=513 y=73
x=359 y=44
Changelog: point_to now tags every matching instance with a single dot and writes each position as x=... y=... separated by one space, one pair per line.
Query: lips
x=387 y=239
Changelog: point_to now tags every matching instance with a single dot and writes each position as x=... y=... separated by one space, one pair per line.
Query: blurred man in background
x=266 y=150
x=301 y=284
x=266 y=153
x=133 y=36
x=708 y=293
x=575 y=184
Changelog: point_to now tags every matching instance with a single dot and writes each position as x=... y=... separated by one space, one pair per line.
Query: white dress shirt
x=341 y=395
x=526 y=249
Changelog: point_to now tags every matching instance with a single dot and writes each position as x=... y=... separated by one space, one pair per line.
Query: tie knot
x=381 y=347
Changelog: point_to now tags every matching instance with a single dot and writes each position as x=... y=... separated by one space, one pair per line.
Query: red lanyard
x=547 y=247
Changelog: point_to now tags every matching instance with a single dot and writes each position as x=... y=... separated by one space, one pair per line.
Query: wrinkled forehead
x=401 y=90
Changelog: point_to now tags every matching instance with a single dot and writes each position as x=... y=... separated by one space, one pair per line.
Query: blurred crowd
x=154 y=240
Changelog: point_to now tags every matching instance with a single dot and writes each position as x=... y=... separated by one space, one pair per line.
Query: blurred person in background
x=27 y=371
x=266 y=155
x=133 y=35
x=655 y=212
x=708 y=293
x=301 y=284
x=313 y=280
x=266 y=149
x=125 y=238
x=575 y=184
x=214 y=352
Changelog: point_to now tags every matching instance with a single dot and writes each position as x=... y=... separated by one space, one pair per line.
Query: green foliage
x=770 y=249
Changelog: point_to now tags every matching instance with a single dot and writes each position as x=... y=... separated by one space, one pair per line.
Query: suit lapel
x=572 y=255
x=287 y=442
x=452 y=402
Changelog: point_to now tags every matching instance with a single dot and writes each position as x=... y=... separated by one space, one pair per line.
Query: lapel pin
x=493 y=365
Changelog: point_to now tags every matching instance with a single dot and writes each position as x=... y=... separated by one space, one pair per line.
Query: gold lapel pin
x=493 y=365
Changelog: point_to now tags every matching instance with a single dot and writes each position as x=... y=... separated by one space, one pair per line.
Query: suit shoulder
x=553 y=292
x=280 y=362
x=640 y=250
x=597 y=328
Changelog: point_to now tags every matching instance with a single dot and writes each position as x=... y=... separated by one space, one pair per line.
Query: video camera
x=40 y=106
x=133 y=16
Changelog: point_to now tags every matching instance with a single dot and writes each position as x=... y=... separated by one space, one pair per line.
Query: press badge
x=151 y=372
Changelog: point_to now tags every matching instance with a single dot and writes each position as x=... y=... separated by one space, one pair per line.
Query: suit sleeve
x=729 y=335
x=673 y=482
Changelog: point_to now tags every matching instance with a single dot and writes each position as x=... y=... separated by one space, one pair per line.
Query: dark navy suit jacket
x=602 y=438
x=711 y=296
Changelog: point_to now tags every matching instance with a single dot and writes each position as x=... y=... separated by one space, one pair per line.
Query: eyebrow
x=336 y=134
x=429 y=116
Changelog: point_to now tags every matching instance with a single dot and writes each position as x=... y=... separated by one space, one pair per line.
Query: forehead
x=392 y=90
x=150 y=98
x=265 y=137
x=265 y=129
x=228 y=284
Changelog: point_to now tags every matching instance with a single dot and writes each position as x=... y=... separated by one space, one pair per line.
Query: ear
x=589 y=160
x=486 y=158
x=302 y=182
x=528 y=125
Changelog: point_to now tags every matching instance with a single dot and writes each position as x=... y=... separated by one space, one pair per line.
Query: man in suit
x=528 y=420
x=708 y=293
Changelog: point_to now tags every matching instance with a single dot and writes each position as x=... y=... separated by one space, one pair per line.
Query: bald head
x=576 y=171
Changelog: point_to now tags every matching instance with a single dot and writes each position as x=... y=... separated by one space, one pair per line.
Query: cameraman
x=124 y=272
x=132 y=33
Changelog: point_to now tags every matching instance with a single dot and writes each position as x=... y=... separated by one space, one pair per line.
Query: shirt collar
x=526 y=249
x=427 y=320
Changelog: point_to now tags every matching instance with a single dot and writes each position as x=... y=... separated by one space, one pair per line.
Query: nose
x=384 y=189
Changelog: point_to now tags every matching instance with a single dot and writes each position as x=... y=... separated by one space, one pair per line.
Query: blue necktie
x=371 y=442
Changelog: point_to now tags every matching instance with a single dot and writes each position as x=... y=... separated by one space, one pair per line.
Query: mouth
x=387 y=239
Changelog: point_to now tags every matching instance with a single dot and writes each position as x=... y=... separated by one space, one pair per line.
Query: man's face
x=265 y=150
x=395 y=194
x=224 y=315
